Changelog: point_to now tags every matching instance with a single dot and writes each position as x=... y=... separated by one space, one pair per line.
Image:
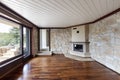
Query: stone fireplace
x=80 y=41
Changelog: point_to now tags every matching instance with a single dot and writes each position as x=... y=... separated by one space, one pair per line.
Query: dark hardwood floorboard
x=58 y=67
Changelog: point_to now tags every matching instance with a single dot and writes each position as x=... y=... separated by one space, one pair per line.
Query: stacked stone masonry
x=60 y=40
x=104 y=39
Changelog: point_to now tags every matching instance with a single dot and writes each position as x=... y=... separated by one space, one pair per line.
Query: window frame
x=25 y=56
x=21 y=42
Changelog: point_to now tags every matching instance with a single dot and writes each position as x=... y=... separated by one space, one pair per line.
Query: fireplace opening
x=78 y=47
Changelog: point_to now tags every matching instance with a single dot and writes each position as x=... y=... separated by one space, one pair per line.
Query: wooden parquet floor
x=58 y=67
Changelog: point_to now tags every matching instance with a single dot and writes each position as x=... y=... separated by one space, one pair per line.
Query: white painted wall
x=43 y=37
x=78 y=37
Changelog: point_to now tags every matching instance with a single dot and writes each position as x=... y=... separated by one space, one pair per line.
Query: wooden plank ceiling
x=62 y=13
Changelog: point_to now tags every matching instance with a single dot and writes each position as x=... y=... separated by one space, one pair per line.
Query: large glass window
x=26 y=41
x=10 y=39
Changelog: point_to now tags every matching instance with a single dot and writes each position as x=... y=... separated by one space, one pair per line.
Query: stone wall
x=105 y=42
x=60 y=40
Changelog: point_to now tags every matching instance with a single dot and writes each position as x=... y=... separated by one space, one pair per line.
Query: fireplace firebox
x=78 y=47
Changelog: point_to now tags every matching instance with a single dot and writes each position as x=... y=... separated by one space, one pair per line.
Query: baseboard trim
x=107 y=67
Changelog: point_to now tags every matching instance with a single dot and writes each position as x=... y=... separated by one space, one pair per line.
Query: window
x=26 y=41
x=10 y=39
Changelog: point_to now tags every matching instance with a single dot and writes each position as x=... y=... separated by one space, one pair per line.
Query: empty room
x=59 y=39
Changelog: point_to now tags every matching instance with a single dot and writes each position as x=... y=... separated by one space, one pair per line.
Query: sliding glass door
x=10 y=39
x=14 y=40
x=26 y=41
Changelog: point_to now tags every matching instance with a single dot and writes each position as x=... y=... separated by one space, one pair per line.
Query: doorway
x=44 y=39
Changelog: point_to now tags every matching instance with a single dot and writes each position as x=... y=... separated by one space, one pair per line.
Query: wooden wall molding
x=9 y=12
x=101 y=18
x=107 y=15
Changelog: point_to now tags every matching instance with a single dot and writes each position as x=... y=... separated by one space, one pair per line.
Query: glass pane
x=9 y=39
x=26 y=41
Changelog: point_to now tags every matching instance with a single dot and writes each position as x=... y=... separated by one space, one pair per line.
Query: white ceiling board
x=62 y=13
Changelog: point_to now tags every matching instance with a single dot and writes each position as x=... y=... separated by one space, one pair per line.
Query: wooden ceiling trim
x=10 y=19
x=79 y=24
x=103 y=17
x=107 y=15
x=7 y=11
x=116 y=3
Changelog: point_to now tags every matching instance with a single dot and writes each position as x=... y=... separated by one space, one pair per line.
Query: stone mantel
x=79 y=42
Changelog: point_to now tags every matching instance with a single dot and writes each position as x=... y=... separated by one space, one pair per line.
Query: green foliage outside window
x=11 y=38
